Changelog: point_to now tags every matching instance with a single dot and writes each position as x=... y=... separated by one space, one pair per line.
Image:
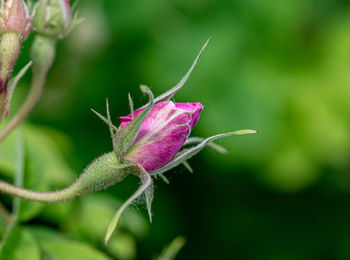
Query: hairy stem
x=100 y=174
x=45 y=197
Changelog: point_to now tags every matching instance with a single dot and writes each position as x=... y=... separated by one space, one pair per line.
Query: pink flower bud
x=15 y=17
x=163 y=133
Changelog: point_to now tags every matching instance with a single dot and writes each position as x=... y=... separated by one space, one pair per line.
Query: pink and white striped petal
x=163 y=133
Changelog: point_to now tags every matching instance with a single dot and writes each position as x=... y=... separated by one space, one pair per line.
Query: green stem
x=42 y=54
x=100 y=174
x=45 y=197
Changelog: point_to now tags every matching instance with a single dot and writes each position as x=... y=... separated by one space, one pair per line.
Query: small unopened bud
x=52 y=18
x=15 y=17
x=15 y=26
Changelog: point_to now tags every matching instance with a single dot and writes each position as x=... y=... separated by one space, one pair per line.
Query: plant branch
x=44 y=197
x=100 y=174
x=42 y=54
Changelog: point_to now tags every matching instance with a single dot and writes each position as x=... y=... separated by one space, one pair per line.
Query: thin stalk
x=43 y=52
x=100 y=174
x=32 y=98
x=44 y=197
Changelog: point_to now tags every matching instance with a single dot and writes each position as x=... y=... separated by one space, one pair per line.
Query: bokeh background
x=281 y=67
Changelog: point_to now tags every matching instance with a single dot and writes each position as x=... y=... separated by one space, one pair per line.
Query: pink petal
x=163 y=133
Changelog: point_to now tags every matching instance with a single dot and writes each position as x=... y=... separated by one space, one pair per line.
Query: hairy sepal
x=13 y=85
x=186 y=154
x=126 y=136
x=214 y=146
x=171 y=92
x=146 y=188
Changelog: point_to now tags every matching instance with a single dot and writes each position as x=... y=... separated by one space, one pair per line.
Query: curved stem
x=100 y=174
x=45 y=197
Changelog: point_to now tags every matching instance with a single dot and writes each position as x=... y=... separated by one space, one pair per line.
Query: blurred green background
x=281 y=67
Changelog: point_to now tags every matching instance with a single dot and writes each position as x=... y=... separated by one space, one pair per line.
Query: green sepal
x=146 y=188
x=195 y=140
x=165 y=179
x=171 y=92
x=186 y=154
x=188 y=166
x=149 y=194
x=12 y=86
x=126 y=136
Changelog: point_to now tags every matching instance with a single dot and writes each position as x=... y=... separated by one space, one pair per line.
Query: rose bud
x=15 y=26
x=53 y=18
x=15 y=18
x=149 y=142
x=162 y=134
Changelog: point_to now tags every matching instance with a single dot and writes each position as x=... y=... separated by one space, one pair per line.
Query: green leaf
x=82 y=224
x=9 y=239
x=58 y=213
x=58 y=247
x=46 y=167
x=20 y=245
x=58 y=172
x=17 y=244
x=44 y=150
x=122 y=246
x=93 y=226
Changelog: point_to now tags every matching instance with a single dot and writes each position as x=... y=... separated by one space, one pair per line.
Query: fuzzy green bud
x=52 y=18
